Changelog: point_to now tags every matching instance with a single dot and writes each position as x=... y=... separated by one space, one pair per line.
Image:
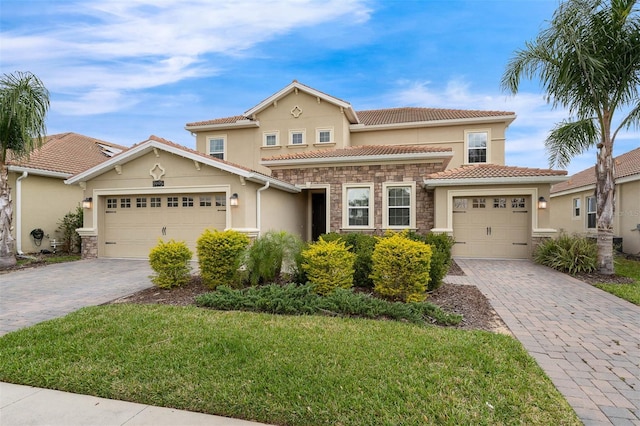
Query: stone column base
x=89 y=246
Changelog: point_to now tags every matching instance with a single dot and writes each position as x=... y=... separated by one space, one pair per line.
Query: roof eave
x=432 y=123
x=39 y=172
x=358 y=159
x=240 y=124
x=434 y=183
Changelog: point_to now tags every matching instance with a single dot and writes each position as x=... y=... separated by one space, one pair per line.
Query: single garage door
x=133 y=224
x=492 y=227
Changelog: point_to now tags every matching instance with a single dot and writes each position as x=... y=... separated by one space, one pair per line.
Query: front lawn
x=627 y=268
x=302 y=370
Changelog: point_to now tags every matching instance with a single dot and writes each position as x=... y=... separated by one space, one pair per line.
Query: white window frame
x=467 y=134
x=385 y=204
x=590 y=212
x=576 y=205
x=265 y=135
x=224 y=146
x=345 y=205
x=295 y=132
x=325 y=129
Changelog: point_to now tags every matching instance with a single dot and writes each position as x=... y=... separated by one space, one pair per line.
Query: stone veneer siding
x=336 y=176
x=89 y=247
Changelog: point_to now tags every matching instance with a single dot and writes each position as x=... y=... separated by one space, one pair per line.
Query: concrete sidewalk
x=24 y=405
x=585 y=339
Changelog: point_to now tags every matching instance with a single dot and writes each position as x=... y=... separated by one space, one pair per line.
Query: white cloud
x=119 y=47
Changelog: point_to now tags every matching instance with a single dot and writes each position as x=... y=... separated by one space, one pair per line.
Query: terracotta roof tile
x=479 y=171
x=69 y=153
x=223 y=120
x=409 y=115
x=357 y=151
x=626 y=164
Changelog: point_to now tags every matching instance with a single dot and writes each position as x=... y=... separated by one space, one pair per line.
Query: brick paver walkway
x=34 y=295
x=586 y=340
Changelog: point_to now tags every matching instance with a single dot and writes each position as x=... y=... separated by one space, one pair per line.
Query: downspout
x=19 y=213
x=258 y=212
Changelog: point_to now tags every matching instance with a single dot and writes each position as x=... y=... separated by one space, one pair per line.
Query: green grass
x=302 y=370
x=630 y=292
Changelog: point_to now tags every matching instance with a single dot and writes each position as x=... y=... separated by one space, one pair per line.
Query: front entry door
x=318 y=214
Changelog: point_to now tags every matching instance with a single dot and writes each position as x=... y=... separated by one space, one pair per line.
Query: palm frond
x=568 y=139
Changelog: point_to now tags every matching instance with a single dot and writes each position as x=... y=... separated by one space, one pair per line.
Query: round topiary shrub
x=170 y=262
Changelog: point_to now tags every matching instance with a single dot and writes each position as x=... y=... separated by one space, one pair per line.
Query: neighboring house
x=40 y=196
x=574 y=202
x=308 y=163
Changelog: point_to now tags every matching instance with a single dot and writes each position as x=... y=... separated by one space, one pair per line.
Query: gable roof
x=361 y=120
x=366 y=153
x=487 y=174
x=626 y=166
x=65 y=154
x=155 y=142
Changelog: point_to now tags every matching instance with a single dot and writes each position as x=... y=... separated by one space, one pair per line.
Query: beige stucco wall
x=45 y=201
x=627 y=214
x=282 y=211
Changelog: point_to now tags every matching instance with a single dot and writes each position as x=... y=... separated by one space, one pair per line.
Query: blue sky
x=125 y=69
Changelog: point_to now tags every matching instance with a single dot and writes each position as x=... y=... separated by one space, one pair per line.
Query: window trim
x=487 y=148
x=385 y=204
x=296 y=131
x=588 y=212
x=345 y=205
x=331 y=135
x=224 y=146
x=275 y=133
x=577 y=208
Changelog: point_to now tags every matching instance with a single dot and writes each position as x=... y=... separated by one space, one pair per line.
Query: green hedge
x=170 y=262
x=220 y=255
x=329 y=265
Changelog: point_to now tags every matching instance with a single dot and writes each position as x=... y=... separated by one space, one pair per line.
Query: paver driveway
x=586 y=340
x=33 y=295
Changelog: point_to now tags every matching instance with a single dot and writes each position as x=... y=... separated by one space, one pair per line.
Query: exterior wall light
x=87 y=203
x=542 y=203
x=233 y=200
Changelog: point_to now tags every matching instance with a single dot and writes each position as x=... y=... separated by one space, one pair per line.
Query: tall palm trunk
x=7 y=257
x=605 y=210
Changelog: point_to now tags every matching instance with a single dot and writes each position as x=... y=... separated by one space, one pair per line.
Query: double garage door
x=492 y=226
x=133 y=224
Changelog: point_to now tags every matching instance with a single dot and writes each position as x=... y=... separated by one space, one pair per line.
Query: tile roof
x=358 y=151
x=69 y=153
x=223 y=120
x=480 y=171
x=626 y=164
x=408 y=115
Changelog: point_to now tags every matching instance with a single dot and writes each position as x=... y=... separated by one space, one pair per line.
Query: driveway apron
x=586 y=340
x=38 y=294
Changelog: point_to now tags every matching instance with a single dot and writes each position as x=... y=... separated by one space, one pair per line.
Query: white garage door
x=134 y=224
x=492 y=227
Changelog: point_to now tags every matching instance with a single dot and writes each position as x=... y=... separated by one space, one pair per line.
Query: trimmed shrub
x=67 y=226
x=568 y=253
x=401 y=268
x=441 y=246
x=220 y=256
x=362 y=246
x=170 y=262
x=270 y=254
x=329 y=265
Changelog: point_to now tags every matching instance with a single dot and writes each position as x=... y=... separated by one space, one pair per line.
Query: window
x=112 y=203
x=221 y=200
x=518 y=203
x=324 y=135
x=591 y=212
x=271 y=139
x=156 y=202
x=141 y=202
x=296 y=137
x=500 y=203
x=205 y=201
x=576 y=207
x=216 y=146
x=477 y=147
x=479 y=203
x=125 y=203
x=172 y=201
x=359 y=206
x=398 y=206
x=187 y=201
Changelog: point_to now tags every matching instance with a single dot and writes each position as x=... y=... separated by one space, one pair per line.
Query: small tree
x=71 y=242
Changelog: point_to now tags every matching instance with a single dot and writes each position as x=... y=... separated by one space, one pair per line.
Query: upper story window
x=324 y=135
x=477 y=144
x=399 y=205
x=216 y=145
x=358 y=202
x=591 y=212
x=296 y=137
x=576 y=207
x=271 y=139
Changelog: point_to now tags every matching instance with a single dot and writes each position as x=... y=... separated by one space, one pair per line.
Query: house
x=40 y=196
x=306 y=162
x=574 y=202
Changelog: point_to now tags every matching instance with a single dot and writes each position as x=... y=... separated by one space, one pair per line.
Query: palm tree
x=24 y=102
x=588 y=61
